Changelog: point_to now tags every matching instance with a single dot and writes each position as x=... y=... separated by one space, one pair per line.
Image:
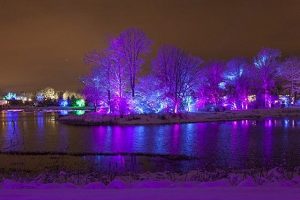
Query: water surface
x=240 y=144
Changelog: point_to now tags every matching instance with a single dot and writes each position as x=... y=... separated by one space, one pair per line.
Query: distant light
x=63 y=112
x=251 y=98
x=222 y=85
x=79 y=112
x=10 y=96
x=64 y=103
x=80 y=103
x=40 y=97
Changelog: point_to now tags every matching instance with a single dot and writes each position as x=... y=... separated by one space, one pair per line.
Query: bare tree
x=99 y=82
x=177 y=73
x=290 y=72
x=118 y=69
x=131 y=45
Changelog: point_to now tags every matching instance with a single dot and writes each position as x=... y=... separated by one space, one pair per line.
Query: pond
x=232 y=144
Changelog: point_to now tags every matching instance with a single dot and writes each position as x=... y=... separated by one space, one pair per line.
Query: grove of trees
x=181 y=82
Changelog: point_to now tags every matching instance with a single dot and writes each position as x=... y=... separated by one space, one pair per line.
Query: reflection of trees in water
x=12 y=141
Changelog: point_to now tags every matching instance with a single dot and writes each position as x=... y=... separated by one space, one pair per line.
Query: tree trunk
x=109 y=101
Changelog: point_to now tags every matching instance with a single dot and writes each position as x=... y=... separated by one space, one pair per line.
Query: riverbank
x=94 y=119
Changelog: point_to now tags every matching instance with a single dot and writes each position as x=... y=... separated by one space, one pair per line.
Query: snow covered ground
x=98 y=119
x=273 y=184
x=182 y=193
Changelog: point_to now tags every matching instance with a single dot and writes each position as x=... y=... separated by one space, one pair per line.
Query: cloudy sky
x=42 y=42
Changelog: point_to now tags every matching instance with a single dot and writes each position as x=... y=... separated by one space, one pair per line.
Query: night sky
x=42 y=42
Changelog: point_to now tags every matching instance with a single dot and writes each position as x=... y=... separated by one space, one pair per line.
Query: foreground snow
x=98 y=119
x=273 y=184
x=206 y=193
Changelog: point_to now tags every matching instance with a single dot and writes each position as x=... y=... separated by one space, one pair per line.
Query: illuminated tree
x=10 y=96
x=130 y=46
x=266 y=64
x=106 y=83
x=150 y=97
x=237 y=82
x=68 y=95
x=49 y=94
x=91 y=82
x=177 y=73
x=79 y=103
x=290 y=72
x=118 y=71
x=115 y=69
x=40 y=97
x=212 y=85
x=98 y=84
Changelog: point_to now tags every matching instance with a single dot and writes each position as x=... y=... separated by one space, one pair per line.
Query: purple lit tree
x=106 y=84
x=98 y=85
x=212 y=85
x=49 y=94
x=266 y=64
x=177 y=83
x=177 y=73
x=130 y=47
x=118 y=70
x=237 y=82
x=150 y=97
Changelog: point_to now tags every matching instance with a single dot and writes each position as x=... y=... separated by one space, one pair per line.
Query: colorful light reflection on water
x=241 y=144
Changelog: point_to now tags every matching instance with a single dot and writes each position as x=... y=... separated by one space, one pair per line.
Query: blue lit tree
x=238 y=82
x=98 y=84
x=266 y=64
x=10 y=96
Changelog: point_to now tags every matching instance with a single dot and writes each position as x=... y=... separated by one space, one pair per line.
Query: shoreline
x=95 y=119
x=42 y=108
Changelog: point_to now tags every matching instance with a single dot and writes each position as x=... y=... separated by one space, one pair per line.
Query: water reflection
x=267 y=141
x=63 y=112
x=79 y=112
x=222 y=144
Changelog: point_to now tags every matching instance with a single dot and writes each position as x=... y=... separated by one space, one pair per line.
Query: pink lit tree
x=177 y=73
